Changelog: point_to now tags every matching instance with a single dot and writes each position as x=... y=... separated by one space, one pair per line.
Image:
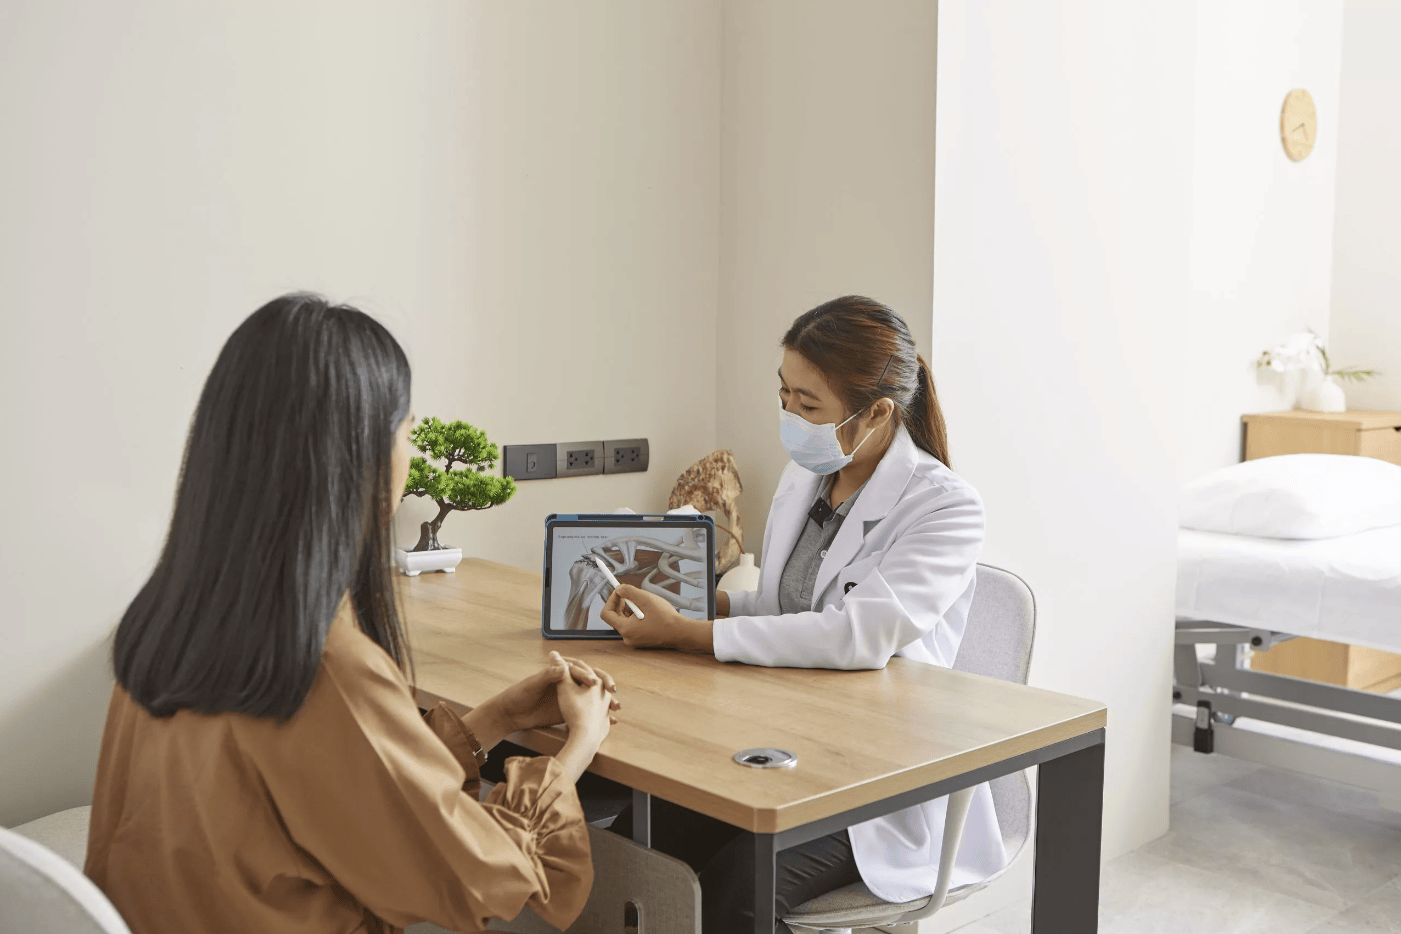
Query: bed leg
x=1186 y=670
x=1204 y=736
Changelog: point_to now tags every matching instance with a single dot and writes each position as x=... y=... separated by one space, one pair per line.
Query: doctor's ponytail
x=924 y=420
x=866 y=353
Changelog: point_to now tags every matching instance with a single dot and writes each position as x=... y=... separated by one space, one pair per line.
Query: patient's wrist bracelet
x=478 y=753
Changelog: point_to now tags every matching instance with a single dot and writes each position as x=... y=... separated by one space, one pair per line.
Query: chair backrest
x=997 y=643
x=42 y=893
x=1001 y=627
x=64 y=832
x=666 y=890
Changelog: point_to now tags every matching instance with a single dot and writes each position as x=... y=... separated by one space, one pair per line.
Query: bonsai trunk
x=428 y=531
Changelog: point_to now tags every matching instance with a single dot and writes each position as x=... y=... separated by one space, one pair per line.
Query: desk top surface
x=860 y=736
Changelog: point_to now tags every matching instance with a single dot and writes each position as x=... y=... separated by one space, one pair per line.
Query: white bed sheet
x=1345 y=589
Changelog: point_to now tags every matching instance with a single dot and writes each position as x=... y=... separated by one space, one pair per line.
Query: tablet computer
x=670 y=556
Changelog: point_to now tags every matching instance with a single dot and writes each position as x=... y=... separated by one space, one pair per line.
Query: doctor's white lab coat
x=910 y=546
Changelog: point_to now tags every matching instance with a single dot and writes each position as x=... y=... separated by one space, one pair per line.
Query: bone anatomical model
x=586 y=579
x=712 y=485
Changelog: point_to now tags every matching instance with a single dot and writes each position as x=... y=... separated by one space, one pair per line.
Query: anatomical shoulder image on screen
x=670 y=563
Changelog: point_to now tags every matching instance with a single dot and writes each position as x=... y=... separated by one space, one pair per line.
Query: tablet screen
x=671 y=560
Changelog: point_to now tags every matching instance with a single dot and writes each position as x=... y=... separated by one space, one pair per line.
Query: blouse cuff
x=453 y=733
x=538 y=805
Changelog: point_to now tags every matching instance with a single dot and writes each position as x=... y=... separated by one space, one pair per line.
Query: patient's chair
x=997 y=643
x=43 y=889
x=663 y=891
x=42 y=886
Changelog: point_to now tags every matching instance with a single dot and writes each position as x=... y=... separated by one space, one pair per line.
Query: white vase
x=1326 y=395
x=1298 y=385
x=414 y=563
x=742 y=577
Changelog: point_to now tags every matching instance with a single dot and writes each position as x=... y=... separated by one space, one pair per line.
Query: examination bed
x=1345 y=589
x=1246 y=594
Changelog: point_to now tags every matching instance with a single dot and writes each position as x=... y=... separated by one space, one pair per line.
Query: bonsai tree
x=462 y=483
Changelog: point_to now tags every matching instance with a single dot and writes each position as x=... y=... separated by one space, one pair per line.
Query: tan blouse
x=357 y=815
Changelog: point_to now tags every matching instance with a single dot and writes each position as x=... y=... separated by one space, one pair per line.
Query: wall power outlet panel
x=573 y=459
x=578 y=458
x=626 y=456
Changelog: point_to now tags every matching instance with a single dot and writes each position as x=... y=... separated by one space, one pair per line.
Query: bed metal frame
x=1222 y=690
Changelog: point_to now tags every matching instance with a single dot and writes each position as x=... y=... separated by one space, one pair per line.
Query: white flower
x=1299 y=352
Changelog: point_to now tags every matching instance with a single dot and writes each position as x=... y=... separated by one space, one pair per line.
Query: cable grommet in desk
x=766 y=758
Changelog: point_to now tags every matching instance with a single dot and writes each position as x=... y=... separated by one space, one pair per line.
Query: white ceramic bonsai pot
x=414 y=563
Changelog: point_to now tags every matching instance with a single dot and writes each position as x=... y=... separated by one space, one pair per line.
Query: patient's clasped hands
x=536 y=700
x=567 y=691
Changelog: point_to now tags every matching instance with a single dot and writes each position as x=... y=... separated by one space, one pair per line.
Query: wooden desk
x=868 y=742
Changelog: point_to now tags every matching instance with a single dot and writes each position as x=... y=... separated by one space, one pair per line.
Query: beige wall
x=526 y=193
x=828 y=190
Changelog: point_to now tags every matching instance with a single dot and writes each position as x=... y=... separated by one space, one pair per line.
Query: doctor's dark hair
x=866 y=353
x=282 y=507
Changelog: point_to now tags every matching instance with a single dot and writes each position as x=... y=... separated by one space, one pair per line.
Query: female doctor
x=869 y=552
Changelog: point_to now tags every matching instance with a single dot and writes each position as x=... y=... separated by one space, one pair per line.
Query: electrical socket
x=579 y=458
x=529 y=461
x=626 y=456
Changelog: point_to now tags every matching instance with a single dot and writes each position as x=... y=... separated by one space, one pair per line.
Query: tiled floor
x=1252 y=850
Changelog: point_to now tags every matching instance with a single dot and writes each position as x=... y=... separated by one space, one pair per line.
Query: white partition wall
x=1366 y=325
x=1060 y=278
x=1262 y=226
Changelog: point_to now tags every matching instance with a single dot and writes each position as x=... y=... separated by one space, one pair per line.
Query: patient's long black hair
x=282 y=507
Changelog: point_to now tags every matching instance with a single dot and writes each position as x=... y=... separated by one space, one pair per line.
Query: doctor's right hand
x=661 y=627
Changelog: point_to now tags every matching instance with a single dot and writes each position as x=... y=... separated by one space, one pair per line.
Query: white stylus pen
x=614 y=581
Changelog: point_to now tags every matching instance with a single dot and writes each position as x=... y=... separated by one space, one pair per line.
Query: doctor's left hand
x=661 y=627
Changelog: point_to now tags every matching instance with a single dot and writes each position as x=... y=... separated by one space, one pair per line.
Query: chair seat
x=856 y=906
x=851 y=905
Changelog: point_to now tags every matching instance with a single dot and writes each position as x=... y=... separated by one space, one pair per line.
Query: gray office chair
x=630 y=882
x=634 y=889
x=997 y=643
x=42 y=887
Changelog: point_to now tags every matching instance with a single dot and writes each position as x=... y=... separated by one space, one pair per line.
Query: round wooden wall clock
x=1298 y=124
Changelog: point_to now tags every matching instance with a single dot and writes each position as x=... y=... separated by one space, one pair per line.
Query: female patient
x=264 y=766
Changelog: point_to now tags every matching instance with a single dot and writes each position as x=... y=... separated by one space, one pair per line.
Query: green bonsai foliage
x=464 y=487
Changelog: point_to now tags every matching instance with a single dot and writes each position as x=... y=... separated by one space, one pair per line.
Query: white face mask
x=814 y=446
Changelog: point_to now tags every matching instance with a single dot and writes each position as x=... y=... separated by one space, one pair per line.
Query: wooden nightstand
x=1369 y=434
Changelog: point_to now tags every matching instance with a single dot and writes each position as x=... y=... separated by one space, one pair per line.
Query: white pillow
x=1301 y=496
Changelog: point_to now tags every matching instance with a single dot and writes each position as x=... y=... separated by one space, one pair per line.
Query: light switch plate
x=529 y=461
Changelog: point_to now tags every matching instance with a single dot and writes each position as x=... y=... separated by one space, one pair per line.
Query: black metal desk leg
x=1069 y=818
x=765 y=882
x=641 y=818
